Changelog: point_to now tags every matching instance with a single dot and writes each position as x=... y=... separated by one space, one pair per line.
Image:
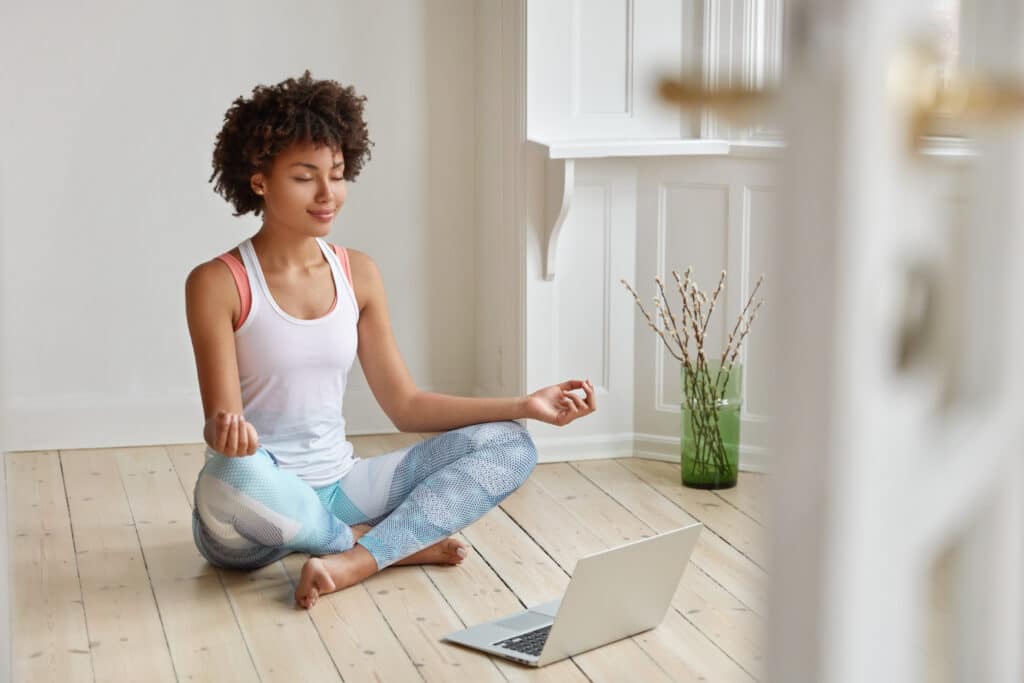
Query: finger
x=563 y=407
x=578 y=403
x=243 y=436
x=571 y=384
x=254 y=440
x=221 y=439
x=591 y=399
x=232 y=444
x=571 y=412
x=236 y=425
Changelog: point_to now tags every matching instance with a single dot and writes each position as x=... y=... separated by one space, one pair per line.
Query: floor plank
x=566 y=538
x=750 y=496
x=127 y=635
x=359 y=638
x=205 y=640
x=721 y=518
x=360 y=645
x=478 y=593
x=420 y=617
x=282 y=640
x=733 y=570
x=107 y=582
x=50 y=640
x=731 y=625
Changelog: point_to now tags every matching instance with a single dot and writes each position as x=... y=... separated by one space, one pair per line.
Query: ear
x=258 y=183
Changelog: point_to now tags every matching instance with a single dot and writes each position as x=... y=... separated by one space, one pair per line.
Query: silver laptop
x=612 y=595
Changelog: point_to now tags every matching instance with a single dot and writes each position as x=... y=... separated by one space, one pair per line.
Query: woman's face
x=304 y=190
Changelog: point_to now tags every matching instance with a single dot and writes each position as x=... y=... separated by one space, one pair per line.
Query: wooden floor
x=107 y=585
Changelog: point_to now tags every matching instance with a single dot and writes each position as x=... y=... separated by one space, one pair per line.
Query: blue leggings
x=248 y=512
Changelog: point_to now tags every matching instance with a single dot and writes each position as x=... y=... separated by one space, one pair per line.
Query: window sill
x=944 y=147
x=603 y=149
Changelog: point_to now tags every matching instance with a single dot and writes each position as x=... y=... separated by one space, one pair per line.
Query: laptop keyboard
x=530 y=643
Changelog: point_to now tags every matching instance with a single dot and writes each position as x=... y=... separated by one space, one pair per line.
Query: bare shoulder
x=366 y=277
x=210 y=286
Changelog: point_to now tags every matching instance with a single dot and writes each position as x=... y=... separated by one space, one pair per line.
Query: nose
x=323 y=191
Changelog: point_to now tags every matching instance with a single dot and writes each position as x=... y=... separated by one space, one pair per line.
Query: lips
x=323 y=217
x=322 y=214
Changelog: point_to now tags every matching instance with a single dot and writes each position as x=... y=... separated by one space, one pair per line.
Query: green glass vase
x=710 y=445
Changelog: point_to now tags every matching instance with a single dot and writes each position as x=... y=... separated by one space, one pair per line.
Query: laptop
x=613 y=594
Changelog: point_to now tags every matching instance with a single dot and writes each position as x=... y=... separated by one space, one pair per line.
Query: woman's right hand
x=229 y=434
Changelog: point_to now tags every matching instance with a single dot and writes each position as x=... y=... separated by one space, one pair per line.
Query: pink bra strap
x=242 y=282
x=342 y=253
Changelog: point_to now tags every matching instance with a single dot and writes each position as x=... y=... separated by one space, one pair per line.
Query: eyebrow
x=314 y=166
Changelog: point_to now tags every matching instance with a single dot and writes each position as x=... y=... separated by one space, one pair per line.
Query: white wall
x=5 y=588
x=111 y=110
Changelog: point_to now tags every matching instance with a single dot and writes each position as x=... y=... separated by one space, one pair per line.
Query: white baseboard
x=101 y=422
x=84 y=422
x=597 y=447
x=666 y=448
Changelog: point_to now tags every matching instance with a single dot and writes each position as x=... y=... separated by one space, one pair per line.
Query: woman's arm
x=210 y=302
x=412 y=410
x=430 y=412
x=556 y=404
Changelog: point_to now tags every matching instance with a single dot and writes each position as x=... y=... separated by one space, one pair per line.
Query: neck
x=283 y=250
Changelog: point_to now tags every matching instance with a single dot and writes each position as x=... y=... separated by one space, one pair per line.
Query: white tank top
x=293 y=374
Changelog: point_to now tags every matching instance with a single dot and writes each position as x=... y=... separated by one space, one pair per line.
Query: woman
x=275 y=326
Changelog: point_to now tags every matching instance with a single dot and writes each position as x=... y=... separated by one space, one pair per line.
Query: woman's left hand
x=557 y=404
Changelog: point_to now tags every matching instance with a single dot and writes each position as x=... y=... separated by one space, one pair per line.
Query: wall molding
x=666 y=449
x=660 y=404
x=628 y=62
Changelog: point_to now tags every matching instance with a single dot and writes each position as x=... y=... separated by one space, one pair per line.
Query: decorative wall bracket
x=558 y=192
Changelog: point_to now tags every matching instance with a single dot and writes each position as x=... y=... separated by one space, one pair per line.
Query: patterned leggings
x=249 y=513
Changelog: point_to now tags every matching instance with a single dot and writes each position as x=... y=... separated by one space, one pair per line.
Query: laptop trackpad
x=524 y=622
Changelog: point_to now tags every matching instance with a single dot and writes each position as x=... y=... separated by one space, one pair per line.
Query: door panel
x=898 y=526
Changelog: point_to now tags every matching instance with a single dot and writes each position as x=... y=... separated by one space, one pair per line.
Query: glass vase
x=710 y=444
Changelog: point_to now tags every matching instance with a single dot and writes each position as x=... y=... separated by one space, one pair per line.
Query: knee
x=221 y=465
x=240 y=473
x=522 y=452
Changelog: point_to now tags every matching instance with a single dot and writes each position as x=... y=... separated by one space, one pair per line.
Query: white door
x=898 y=518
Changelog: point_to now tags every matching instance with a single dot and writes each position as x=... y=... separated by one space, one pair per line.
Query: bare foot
x=314 y=581
x=322 y=575
x=447 y=551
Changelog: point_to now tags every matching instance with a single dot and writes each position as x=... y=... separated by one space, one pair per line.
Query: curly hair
x=300 y=110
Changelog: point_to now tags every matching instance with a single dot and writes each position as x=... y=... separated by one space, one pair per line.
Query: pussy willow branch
x=739 y=318
x=668 y=307
x=650 y=323
x=703 y=395
x=664 y=321
x=735 y=347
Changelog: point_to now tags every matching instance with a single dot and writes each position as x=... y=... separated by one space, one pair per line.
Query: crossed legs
x=249 y=513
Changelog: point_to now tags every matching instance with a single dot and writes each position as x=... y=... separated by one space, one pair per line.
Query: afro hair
x=302 y=110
